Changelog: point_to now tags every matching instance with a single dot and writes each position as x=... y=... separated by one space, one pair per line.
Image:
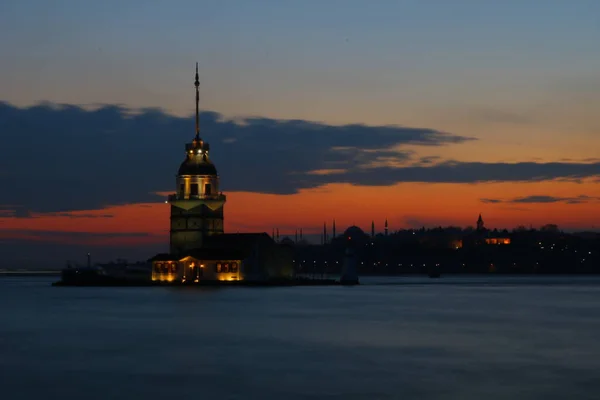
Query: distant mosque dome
x=286 y=240
x=355 y=233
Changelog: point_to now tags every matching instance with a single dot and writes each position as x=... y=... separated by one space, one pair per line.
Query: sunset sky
x=424 y=112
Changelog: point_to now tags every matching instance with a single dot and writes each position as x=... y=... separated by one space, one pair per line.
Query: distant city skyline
x=422 y=112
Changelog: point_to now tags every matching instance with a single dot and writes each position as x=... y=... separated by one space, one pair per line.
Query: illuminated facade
x=198 y=265
x=197 y=206
x=497 y=240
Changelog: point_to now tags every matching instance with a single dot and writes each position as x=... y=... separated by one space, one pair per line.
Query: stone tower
x=197 y=206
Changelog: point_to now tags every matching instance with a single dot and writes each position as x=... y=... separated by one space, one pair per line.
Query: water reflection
x=505 y=340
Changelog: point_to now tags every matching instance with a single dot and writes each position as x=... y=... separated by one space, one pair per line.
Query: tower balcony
x=188 y=202
x=178 y=197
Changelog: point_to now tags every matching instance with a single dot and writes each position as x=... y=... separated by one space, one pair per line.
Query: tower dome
x=197 y=162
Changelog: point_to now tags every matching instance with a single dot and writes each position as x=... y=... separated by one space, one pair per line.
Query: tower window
x=207 y=188
x=194 y=189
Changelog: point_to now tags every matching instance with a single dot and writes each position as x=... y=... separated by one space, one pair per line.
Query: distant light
x=166 y=201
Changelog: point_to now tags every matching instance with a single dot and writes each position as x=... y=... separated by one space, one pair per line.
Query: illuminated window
x=225 y=267
x=194 y=189
x=157 y=268
x=234 y=267
x=218 y=267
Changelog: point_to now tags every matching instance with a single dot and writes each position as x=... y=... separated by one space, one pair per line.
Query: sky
x=422 y=112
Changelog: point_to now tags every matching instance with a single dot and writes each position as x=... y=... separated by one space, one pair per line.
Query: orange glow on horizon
x=407 y=205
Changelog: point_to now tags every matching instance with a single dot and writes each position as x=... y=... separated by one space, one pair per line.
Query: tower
x=386 y=227
x=197 y=206
x=349 y=267
x=333 y=232
x=480 y=224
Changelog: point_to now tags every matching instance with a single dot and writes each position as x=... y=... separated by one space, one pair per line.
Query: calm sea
x=452 y=338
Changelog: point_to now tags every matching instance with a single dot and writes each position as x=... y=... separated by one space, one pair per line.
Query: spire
x=386 y=227
x=197 y=84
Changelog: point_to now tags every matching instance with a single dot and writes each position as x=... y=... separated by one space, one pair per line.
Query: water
x=452 y=338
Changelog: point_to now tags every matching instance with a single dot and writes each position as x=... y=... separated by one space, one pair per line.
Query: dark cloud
x=71 y=235
x=465 y=172
x=491 y=201
x=75 y=216
x=541 y=199
x=63 y=158
x=425 y=161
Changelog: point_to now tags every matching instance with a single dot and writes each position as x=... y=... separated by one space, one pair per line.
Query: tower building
x=480 y=224
x=199 y=249
x=197 y=206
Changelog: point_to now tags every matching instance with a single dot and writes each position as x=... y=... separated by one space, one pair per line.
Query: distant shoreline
x=29 y=273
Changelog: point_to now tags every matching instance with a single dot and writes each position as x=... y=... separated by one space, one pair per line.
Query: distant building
x=497 y=240
x=480 y=224
x=199 y=248
x=483 y=236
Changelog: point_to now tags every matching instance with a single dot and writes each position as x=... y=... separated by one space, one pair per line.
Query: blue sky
x=276 y=58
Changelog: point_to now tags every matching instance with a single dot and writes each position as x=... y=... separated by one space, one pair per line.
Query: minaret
x=372 y=229
x=333 y=231
x=386 y=227
x=197 y=206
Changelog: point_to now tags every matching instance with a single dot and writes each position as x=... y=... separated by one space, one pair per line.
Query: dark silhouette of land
x=454 y=250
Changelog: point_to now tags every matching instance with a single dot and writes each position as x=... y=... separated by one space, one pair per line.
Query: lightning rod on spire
x=197 y=84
